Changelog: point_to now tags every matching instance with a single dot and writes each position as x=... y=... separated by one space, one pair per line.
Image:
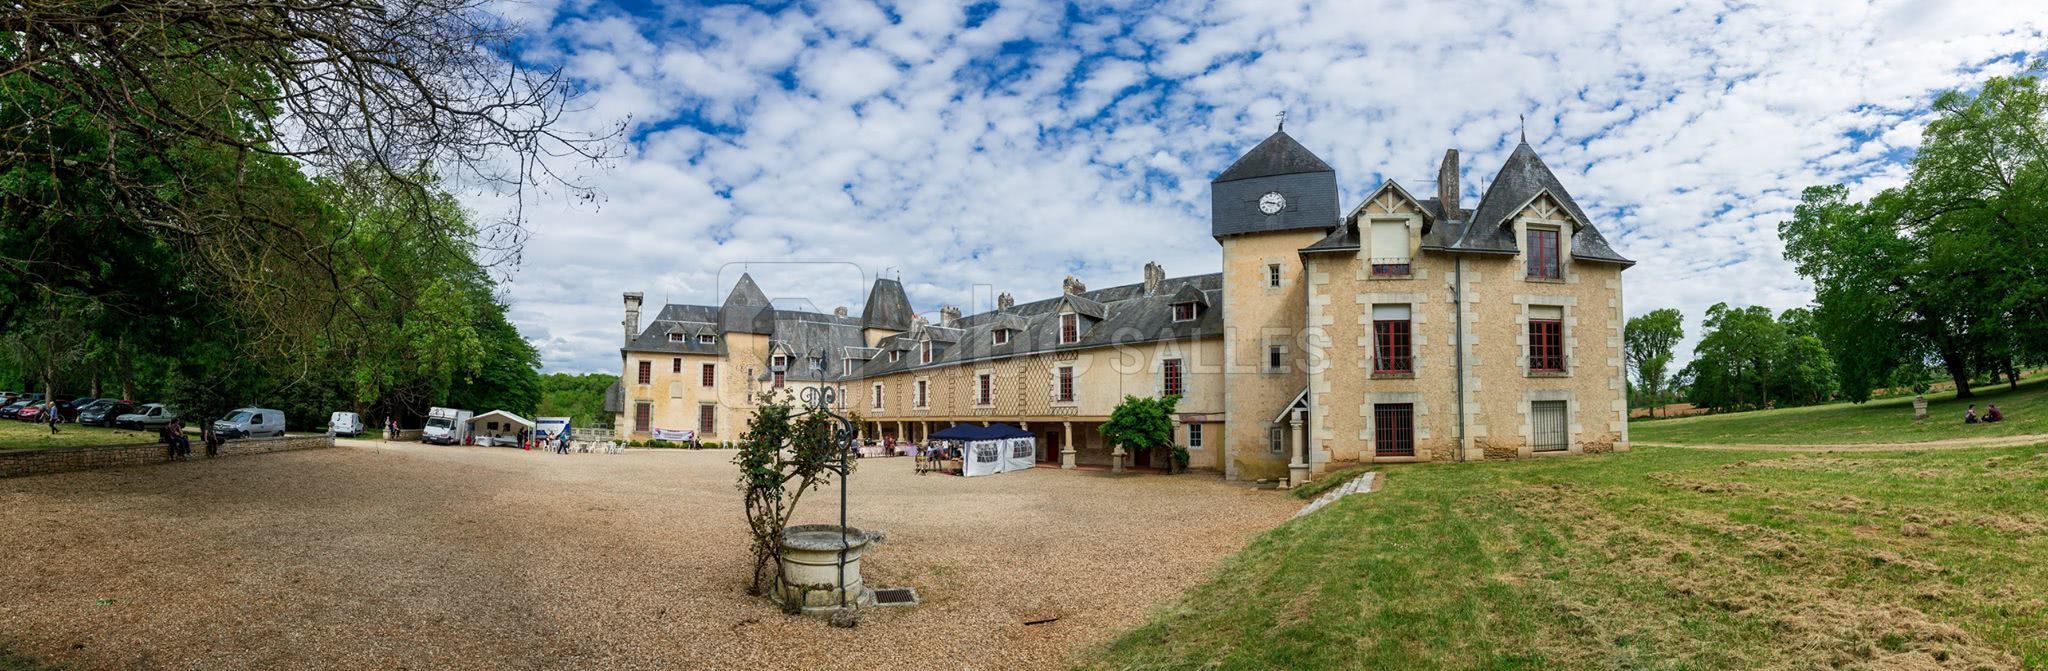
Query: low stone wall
x=59 y=460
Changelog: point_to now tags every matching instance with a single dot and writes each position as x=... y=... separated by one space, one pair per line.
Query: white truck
x=446 y=426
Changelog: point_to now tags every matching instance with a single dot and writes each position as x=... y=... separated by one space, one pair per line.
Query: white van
x=446 y=426
x=250 y=423
x=345 y=424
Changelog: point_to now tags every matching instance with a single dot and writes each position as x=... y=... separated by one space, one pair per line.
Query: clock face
x=1272 y=202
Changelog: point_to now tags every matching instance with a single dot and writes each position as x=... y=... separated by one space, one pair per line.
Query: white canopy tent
x=498 y=427
x=988 y=450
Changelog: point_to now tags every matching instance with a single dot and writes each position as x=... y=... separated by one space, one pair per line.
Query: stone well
x=810 y=566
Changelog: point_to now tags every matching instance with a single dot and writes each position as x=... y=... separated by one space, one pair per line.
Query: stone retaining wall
x=58 y=460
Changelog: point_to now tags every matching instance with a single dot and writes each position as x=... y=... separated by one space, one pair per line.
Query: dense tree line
x=578 y=397
x=1950 y=269
x=231 y=203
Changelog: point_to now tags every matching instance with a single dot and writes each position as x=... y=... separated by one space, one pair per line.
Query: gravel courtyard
x=402 y=556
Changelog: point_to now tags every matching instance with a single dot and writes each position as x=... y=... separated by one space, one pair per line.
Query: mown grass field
x=1885 y=421
x=18 y=435
x=1663 y=558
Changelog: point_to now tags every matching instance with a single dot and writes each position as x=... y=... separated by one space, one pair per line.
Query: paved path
x=1949 y=444
x=1357 y=485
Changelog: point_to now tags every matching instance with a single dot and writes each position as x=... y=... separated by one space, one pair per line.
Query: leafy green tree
x=578 y=397
x=1649 y=339
x=1143 y=423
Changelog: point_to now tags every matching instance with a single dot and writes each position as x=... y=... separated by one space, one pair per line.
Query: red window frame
x=646 y=372
x=1070 y=328
x=986 y=395
x=675 y=365
x=1546 y=345
x=924 y=354
x=1183 y=312
x=710 y=374
x=922 y=399
x=643 y=416
x=1393 y=346
x=707 y=419
x=1393 y=429
x=1169 y=370
x=1542 y=254
x=1066 y=384
x=778 y=379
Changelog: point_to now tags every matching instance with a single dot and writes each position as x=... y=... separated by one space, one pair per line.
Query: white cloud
x=1008 y=148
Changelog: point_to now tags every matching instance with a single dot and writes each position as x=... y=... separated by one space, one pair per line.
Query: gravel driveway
x=403 y=556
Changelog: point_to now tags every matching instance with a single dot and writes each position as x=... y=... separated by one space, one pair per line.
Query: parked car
x=250 y=422
x=33 y=413
x=16 y=407
x=104 y=412
x=69 y=411
x=148 y=416
x=344 y=423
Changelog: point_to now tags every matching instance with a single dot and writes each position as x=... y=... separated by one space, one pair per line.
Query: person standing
x=50 y=415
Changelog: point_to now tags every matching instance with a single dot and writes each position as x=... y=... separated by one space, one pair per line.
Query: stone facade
x=18 y=463
x=1276 y=354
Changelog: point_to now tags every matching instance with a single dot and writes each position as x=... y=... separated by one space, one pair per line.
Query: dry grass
x=480 y=558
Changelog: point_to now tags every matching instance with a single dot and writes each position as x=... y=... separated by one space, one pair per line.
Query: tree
x=1747 y=359
x=578 y=397
x=783 y=454
x=1951 y=266
x=1649 y=339
x=1140 y=423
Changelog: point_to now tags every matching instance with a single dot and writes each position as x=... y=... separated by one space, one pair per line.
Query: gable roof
x=746 y=309
x=1521 y=179
x=1278 y=154
x=1085 y=307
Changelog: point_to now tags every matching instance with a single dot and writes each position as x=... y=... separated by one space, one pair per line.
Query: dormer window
x=924 y=352
x=780 y=362
x=706 y=339
x=895 y=356
x=1183 y=312
x=1002 y=336
x=675 y=337
x=1542 y=254
x=1070 y=328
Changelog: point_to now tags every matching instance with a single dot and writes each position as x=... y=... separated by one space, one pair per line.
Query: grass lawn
x=18 y=435
x=1885 y=421
x=1664 y=558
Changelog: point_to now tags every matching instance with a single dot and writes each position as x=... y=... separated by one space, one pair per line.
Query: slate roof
x=746 y=309
x=825 y=338
x=887 y=308
x=1279 y=154
x=1129 y=316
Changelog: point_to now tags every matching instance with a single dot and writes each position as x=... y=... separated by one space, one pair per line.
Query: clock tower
x=1276 y=199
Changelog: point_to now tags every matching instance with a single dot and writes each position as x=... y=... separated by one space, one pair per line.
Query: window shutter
x=1389 y=240
x=1389 y=312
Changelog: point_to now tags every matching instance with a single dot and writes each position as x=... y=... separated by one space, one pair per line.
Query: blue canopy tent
x=991 y=449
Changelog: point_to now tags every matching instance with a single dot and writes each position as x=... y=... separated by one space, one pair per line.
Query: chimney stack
x=948 y=316
x=1004 y=301
x=839 y=311
x=1447 y=184
x=1072 y=285
x=632 y=322
x=1154 y=276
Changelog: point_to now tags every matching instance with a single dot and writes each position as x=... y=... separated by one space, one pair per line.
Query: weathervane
x=1525 y=127
x=1283 y=120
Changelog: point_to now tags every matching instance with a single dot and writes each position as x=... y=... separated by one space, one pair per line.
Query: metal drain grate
x=896 y=596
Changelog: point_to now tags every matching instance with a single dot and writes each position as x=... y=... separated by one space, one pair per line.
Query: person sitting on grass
x=1970 y=414
x=1991 y=414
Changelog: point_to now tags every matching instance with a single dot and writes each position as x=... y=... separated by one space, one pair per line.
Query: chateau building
x=1399 y=329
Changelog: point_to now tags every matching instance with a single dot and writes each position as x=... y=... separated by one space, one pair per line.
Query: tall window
x=675 y=365
x=1002 y=336
x=1183 y=312
x=877 y=399
x=919 y=398
x=1390 y=256
x=1275 y=437
x=643 y=416
x=778 y=379
x=1542 y=254
x=1063 y=389
x=1393 y=429
x=646 y=372
x=1070 y=328
x=1169 y=372
x=1275 y=356
x=1273 y=274
x=707 y=419
x=1194 y=436
x=710 y=375
x=986 y=392
x=1546 y=339
x=924 y=352
x=1391 y=339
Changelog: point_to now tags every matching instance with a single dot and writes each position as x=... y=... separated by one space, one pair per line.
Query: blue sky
x=1000 y=146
